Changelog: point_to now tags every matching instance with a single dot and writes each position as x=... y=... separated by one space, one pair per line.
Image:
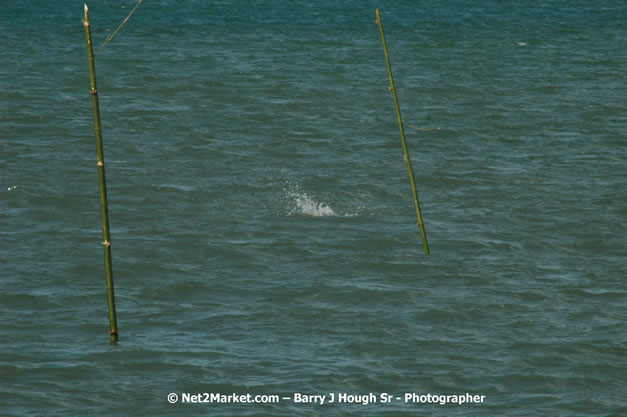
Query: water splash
x=302 y=203
x=306 y=205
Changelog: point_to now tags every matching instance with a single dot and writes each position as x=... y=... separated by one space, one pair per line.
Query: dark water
x=263 y=233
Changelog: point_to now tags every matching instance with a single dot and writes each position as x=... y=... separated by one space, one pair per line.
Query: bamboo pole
x=104 y=212
x=412 y=181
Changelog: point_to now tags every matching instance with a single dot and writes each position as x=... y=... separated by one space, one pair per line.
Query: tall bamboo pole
x=104 y=212
x=412 y=181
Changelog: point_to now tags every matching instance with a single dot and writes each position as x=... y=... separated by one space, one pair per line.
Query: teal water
x=263 y=232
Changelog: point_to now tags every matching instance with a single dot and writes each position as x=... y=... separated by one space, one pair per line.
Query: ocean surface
x=263 y=232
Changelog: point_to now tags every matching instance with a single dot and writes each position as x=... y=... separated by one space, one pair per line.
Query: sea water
x=263 y=233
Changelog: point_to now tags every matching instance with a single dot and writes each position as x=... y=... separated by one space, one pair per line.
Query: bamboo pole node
x=113 y=332
x=106 y=243
x=100 y=163
x=94 y=91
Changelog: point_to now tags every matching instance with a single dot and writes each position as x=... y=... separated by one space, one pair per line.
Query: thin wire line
x=420 y=128
x=112 y=35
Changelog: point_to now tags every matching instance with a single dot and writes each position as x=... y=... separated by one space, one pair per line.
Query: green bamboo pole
x=412 y=181
x=104 y=212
